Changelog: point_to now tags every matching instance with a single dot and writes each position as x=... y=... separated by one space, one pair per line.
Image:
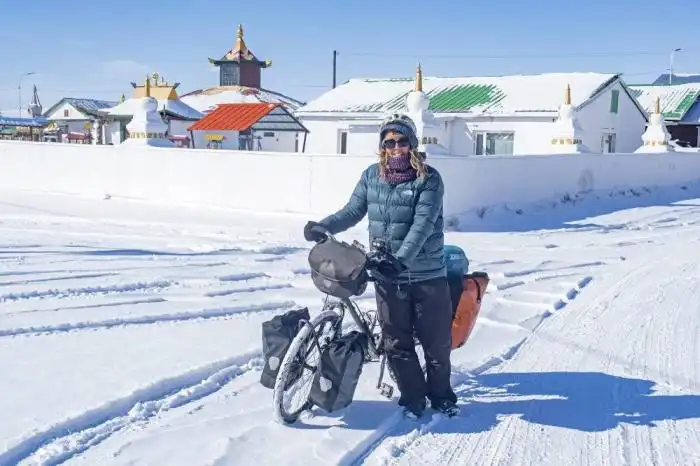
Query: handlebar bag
x=338 y=269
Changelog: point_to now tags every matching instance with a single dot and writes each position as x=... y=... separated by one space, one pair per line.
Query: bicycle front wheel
x=299 y=366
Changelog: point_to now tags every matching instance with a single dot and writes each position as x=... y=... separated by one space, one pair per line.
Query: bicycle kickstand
x=384 y=388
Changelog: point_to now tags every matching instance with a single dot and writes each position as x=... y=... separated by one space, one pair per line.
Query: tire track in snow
x=63 y=440
x=368 y=448
x=88 y=290
x=626 y=444
x=60 y=278
x=147 y=319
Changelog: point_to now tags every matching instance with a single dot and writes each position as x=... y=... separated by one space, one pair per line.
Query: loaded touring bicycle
x=318 y=361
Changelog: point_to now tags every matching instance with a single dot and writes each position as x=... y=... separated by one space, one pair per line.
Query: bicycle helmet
x=400 y=123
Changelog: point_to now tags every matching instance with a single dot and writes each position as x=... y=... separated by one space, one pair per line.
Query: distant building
x=240 y=81
x=73 y=118
x=680 y=107
x=259 y=126
x=22 y=129
x=176 y=114
x=505 y=115
x=25 y=129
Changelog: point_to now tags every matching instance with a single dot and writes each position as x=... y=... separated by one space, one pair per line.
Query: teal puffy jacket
x=408 y=216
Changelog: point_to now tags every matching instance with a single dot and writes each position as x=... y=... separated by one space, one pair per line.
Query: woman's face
x=395 y=144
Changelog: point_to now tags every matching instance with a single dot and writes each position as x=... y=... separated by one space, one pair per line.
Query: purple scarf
x=399 y=169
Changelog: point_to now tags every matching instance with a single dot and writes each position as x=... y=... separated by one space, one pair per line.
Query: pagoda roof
x=240 y=53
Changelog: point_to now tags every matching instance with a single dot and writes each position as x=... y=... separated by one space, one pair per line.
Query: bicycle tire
x=280 y=414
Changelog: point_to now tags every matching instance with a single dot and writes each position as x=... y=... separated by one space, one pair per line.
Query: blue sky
x=95 y=49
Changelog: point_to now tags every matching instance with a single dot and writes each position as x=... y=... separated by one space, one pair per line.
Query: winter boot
x=446 y=407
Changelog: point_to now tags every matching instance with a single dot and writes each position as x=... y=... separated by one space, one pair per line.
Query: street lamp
x=670 y=68
x=19 y=90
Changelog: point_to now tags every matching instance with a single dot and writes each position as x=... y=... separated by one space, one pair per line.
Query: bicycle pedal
x=386 y=390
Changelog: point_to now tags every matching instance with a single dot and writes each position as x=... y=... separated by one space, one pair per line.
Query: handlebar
x=379 y=254
x=379 y=251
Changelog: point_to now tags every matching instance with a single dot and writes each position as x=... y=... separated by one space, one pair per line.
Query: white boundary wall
x=317 y=184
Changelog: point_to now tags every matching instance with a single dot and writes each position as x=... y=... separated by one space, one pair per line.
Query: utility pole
x=335 y=66
x=670 y=68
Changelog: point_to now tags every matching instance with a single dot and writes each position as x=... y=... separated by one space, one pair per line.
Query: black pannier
x=277 y=335
x=338 y=269
x=339 y=372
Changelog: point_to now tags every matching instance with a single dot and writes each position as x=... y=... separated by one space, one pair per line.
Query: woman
x=403 y=199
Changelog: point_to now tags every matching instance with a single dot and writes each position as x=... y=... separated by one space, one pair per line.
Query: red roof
x=233 y=117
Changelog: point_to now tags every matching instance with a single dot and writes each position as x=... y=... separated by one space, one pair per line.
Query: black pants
x=426 y=309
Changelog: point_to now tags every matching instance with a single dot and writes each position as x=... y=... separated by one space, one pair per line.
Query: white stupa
x=146 y=127
x=567 y=137
x=428 y=128
x=656 y=137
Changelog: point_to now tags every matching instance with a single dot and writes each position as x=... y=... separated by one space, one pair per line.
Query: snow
x=320 y=183
x=675 y=100
x=205 y=100
x=520 y=94
x=130 y=334
x=175 y=107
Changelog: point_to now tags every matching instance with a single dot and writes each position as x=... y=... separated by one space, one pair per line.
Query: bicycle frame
x=374 y=347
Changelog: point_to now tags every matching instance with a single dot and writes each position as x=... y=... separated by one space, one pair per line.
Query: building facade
x=506 y=115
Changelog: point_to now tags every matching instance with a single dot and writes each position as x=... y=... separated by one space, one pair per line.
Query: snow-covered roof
x=205 y=100
x=36 y=122
x=499 y=95
x=676 y=100
x=173 y=106
x=91 y=107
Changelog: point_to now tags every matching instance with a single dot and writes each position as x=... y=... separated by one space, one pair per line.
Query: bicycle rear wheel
x=299 y=367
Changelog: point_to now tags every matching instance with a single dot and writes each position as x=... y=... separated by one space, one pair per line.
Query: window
x=66 y=113
x=343 y=142
x=614 y=101
x=268 y=134
x=607 y=143
x=229 y=75
x=493 y=143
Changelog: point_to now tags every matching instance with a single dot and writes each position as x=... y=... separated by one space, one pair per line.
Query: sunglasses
x=391 y=143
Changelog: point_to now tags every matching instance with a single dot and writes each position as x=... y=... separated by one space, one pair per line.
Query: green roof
x=496 y=95
x=464 y=97
x=675 y=101
x=457 y=98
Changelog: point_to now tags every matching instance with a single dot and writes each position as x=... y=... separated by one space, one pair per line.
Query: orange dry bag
x=468 y=307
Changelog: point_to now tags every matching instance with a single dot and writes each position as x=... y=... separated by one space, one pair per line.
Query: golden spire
x=419 y=79
x=147 y=86
x=567 y=96
x=240 y=43
x=657 y=108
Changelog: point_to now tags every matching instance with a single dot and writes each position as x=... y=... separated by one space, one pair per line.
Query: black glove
x=390 y=267
x=314 y=231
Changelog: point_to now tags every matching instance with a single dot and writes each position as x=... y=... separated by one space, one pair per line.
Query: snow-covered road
x=130 y=334
x=614 y=380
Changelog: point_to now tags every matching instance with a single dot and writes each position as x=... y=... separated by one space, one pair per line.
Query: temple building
x=240 y=81
x=176 y=114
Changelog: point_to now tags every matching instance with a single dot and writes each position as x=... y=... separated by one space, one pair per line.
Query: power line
x=621 y=53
